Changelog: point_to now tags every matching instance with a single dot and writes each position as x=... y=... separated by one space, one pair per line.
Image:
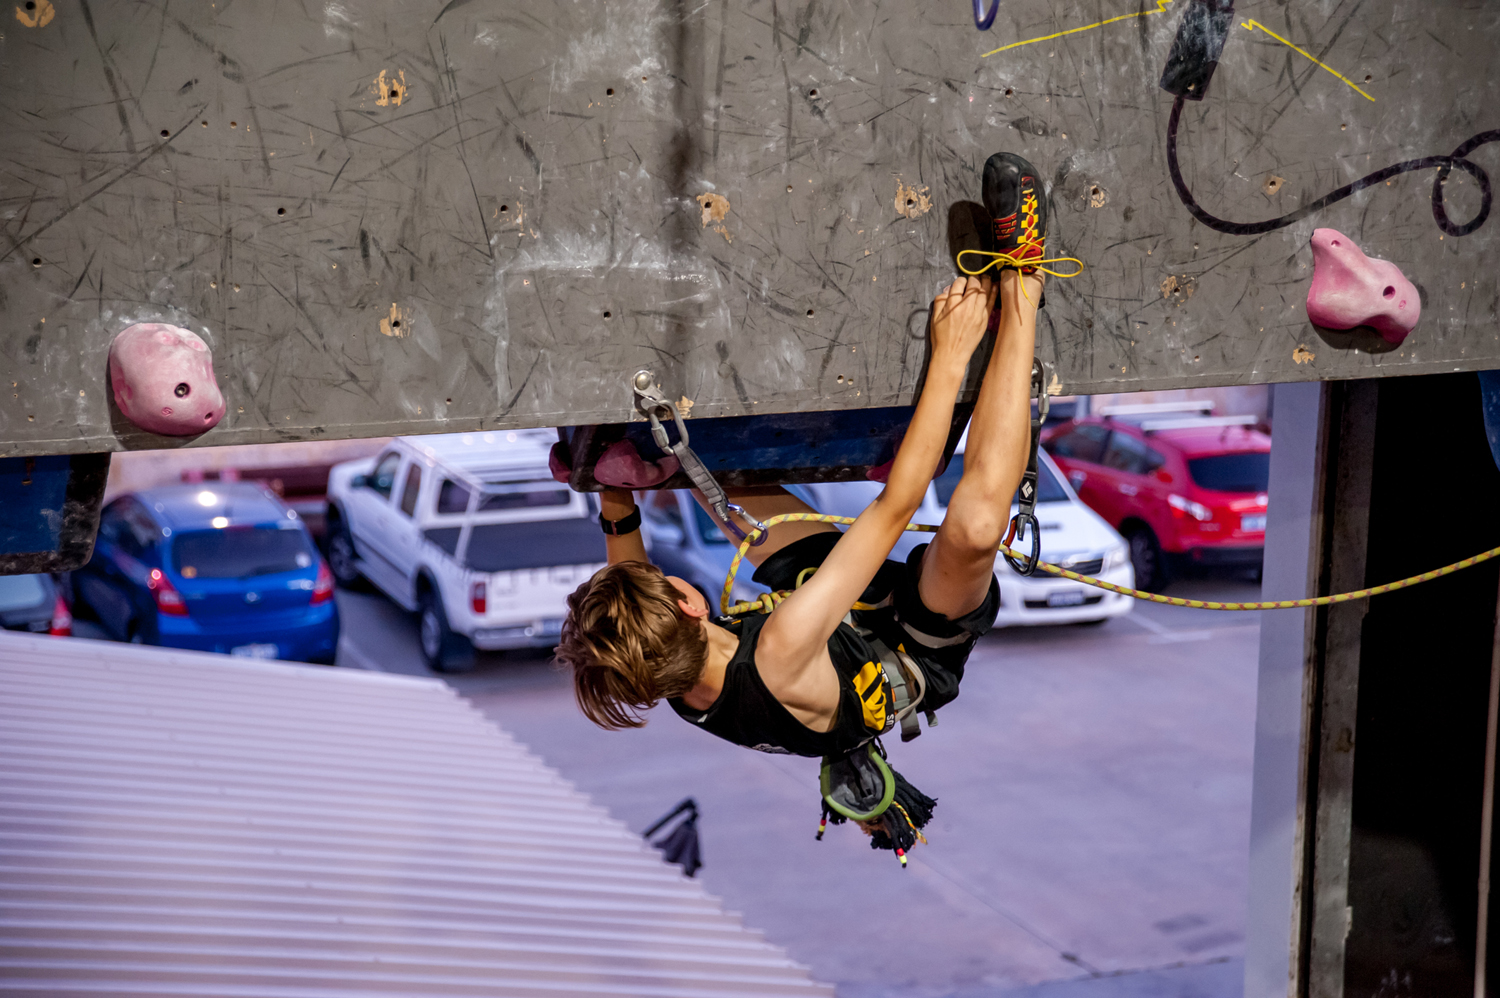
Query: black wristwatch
x=617 y=528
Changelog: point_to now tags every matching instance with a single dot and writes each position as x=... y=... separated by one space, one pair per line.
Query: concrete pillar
x=1293 y=541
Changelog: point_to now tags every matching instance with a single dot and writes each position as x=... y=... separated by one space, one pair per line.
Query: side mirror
x=359 y=482
x=1076 y=478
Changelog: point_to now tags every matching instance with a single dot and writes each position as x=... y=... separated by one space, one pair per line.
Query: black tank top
x=747 y=714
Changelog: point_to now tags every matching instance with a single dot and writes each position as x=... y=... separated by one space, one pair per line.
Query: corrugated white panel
x=182 y=824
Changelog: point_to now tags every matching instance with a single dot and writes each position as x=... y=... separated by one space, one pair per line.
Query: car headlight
x=1115 y=558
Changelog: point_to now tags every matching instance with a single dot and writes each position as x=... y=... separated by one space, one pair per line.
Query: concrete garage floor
x=1090 y=840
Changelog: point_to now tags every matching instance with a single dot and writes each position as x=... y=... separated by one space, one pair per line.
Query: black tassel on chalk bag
x=860 y=786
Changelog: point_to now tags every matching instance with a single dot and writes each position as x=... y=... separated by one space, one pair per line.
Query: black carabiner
x=983 y=20
x=1019 y=525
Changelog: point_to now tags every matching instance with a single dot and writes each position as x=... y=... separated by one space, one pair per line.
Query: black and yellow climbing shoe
x=1017 y=203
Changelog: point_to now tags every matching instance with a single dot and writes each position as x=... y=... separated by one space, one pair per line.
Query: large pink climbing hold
x=163 y=379
x=1350 y=289
x=621 y=466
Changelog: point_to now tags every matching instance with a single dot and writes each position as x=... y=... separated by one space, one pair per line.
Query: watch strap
x=617 y=528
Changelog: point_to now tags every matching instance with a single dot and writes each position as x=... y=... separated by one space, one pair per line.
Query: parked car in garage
x=225 y=567
x=1073 y=536
x=34 y=603
x=470 y=531
x=1182 y=489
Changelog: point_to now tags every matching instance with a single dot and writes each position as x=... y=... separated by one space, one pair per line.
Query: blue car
x=222 y=567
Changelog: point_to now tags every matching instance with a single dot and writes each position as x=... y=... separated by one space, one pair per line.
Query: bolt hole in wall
x=606 y=315
x=610 y=92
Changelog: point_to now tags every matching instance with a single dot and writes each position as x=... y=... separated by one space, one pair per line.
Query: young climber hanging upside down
x=803 y=679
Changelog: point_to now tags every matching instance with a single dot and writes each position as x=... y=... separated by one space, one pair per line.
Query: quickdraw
x=1025 y=518
x=650 y=402
x=768 y=602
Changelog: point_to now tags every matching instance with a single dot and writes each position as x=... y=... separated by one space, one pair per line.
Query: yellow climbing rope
x=768 y=601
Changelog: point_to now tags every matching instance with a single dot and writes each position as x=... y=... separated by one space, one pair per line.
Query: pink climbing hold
x=621 y=466
x=1350 y=289
x=163 y=379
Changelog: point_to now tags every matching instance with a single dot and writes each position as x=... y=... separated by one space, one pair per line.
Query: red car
x=1179 y=489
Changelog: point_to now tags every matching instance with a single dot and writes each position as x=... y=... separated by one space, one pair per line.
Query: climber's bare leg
x=958 y=565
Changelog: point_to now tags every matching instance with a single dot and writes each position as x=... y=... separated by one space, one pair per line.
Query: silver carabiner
x=650 y=402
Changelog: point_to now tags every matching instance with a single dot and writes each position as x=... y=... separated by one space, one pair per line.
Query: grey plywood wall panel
x=394 y=216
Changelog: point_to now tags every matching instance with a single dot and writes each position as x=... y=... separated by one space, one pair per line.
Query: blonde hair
x=629 y=644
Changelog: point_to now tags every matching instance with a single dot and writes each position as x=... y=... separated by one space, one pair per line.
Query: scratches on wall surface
x=912 y=201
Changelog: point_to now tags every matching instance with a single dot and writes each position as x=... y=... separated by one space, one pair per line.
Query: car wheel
x=341 y=557
x=1148 y=559
x=442 y=649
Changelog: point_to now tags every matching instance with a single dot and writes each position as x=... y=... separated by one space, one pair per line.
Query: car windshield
x=240 y=552
x=1049 y=489
x=1245 y=472
x=707 y=529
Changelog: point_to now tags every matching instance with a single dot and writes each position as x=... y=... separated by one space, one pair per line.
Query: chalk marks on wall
x=1252 y=24
x=1161 y=7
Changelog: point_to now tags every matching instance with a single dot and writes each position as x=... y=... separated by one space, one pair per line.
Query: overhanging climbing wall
x=396 y=216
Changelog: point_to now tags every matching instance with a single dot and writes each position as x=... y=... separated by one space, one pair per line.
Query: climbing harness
x=1025 y=518
x=768 y=602
x=650 y=402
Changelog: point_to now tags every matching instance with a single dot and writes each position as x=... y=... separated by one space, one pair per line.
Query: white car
x=1073 y=536
x=470 y=531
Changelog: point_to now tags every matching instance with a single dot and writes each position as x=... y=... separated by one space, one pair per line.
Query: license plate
x=551 y=627
x=1256 y=521
x=254 y=651
x=1071 y=597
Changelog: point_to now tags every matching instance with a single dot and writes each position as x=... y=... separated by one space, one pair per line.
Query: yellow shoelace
x=1007 y=260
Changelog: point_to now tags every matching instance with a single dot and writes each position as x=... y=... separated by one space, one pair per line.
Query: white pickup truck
x=470 y=531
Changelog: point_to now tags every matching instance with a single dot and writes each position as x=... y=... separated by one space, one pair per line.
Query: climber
x=802 y=679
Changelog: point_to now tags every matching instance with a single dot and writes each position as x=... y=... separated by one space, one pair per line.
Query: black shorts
x=939 y=645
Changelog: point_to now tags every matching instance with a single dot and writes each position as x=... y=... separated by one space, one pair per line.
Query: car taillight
x=1196 y=510
x=323 y=587
x=168 y=600
x=62 y=619
x=479 y=597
